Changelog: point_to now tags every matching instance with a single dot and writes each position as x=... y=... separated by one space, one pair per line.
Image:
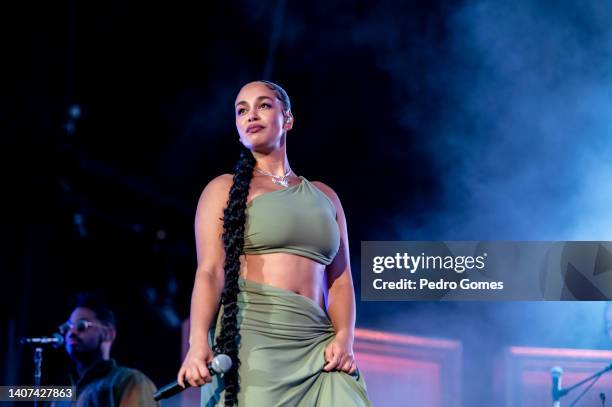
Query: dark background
x=447 y=120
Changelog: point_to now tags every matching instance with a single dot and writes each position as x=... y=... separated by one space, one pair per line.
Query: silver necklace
x=277 y=179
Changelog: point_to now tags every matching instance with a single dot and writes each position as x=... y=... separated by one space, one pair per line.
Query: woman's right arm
x=209 y=280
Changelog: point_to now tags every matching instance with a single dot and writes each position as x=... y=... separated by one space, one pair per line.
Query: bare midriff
x=290 y=272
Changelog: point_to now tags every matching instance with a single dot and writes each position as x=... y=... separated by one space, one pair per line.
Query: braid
x=234 y=219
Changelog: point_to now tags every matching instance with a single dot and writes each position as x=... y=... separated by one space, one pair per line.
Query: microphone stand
x=594 y=377
x=37 y=369
x=55 y=340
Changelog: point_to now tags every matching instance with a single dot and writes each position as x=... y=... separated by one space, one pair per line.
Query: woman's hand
x=339 y=355
x=195 y=366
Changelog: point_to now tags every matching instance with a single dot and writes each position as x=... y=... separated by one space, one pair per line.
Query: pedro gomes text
x=412 y=264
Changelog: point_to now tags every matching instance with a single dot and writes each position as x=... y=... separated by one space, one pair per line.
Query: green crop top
x=299 y=220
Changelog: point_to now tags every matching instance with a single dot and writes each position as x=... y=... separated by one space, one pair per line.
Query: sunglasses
x=81 y=325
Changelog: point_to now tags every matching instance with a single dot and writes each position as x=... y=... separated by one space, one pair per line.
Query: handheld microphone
x=56 y=340
x=219 y=365
x=556 y=373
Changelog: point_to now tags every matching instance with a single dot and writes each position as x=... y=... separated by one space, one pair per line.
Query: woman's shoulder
x=218 y=187
x=327 y=190
x=223 y=180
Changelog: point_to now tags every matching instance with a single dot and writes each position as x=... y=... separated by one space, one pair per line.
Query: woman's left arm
x=341 y=298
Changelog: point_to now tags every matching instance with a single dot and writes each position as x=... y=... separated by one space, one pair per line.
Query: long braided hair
x=234 y=220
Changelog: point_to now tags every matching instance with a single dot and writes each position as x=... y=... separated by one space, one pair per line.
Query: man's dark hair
x=96 y=302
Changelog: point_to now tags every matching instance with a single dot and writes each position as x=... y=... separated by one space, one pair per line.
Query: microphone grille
x=556 y=371
x=59 y=338
x=221 y=363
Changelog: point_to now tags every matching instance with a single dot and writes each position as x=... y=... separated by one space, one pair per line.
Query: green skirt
x=282 y=341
